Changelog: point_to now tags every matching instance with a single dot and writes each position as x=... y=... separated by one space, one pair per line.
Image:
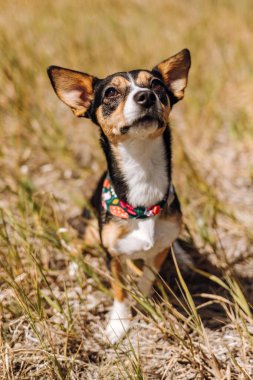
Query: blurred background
x=50 y=161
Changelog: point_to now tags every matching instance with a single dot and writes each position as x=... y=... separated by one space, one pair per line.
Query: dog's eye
x=111 y=92
x=156 y=85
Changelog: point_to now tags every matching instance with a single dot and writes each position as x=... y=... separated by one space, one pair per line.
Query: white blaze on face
x=133 y=111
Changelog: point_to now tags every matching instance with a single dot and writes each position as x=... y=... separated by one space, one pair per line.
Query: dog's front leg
x=151 y=268
x=120 y=314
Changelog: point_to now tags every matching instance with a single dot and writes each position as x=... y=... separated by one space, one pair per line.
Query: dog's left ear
x=74 y=88
x=174 y=72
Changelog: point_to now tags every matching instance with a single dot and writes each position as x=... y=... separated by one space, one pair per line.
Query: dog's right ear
x=74 y=88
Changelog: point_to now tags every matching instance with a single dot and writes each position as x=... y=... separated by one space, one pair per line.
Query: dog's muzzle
x=145 y=99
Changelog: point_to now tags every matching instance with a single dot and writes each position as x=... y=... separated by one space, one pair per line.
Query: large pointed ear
x=174 y=72
x=73 y=87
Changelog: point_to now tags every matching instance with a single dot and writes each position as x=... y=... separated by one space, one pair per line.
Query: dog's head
x=134 y=104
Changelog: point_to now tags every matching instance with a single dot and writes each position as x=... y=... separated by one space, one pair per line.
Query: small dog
x=139 y=212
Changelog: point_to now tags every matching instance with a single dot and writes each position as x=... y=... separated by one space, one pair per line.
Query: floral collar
x=123 y=210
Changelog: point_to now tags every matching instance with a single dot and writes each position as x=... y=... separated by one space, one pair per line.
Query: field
x=54 y=297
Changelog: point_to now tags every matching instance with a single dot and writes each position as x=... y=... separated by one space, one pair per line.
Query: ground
x=54 y=297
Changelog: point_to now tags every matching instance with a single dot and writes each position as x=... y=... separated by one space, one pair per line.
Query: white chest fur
x=144 y=168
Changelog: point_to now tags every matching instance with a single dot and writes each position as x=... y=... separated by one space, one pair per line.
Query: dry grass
x=54 y=296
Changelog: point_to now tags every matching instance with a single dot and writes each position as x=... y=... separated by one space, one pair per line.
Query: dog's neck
x=140 y=170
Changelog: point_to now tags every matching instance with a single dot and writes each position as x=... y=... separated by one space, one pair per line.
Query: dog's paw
x=119 y=322
x=116 y=329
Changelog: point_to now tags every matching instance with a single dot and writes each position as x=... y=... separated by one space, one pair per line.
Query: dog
x=138 y=208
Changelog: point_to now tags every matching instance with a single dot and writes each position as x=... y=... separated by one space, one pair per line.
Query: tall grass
x=54 y=288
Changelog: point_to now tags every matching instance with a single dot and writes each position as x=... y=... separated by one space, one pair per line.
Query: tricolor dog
x=139 y=212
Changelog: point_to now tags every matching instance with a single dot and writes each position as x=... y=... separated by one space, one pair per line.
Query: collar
x=115 y=206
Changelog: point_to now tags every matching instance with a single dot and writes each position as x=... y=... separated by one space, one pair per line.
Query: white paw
x=116 y=329
x=119 y=322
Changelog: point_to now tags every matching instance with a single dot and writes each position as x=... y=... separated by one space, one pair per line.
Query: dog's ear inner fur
x=174 y=72
x=73 y=87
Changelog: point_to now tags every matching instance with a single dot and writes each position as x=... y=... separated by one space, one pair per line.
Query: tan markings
x=159 y=259
x=119 y=82
x=116 y=270
x=117 y=119
x=143 y=78
x=165 y=113
x=111 y=125
x=91 y=235
x=111 y=232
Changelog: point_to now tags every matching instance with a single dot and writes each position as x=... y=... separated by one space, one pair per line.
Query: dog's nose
x=145 y=98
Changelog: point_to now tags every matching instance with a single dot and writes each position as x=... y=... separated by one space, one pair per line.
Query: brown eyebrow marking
x=143 y=78
x=119 y=82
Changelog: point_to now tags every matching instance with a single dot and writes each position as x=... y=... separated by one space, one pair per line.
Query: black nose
x=145 y=98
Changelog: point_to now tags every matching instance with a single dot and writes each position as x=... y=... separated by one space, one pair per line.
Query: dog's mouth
x=146 y=119
x=144 y=122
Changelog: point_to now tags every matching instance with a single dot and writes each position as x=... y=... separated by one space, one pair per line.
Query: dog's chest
x=147 y=237
x=145 y=169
